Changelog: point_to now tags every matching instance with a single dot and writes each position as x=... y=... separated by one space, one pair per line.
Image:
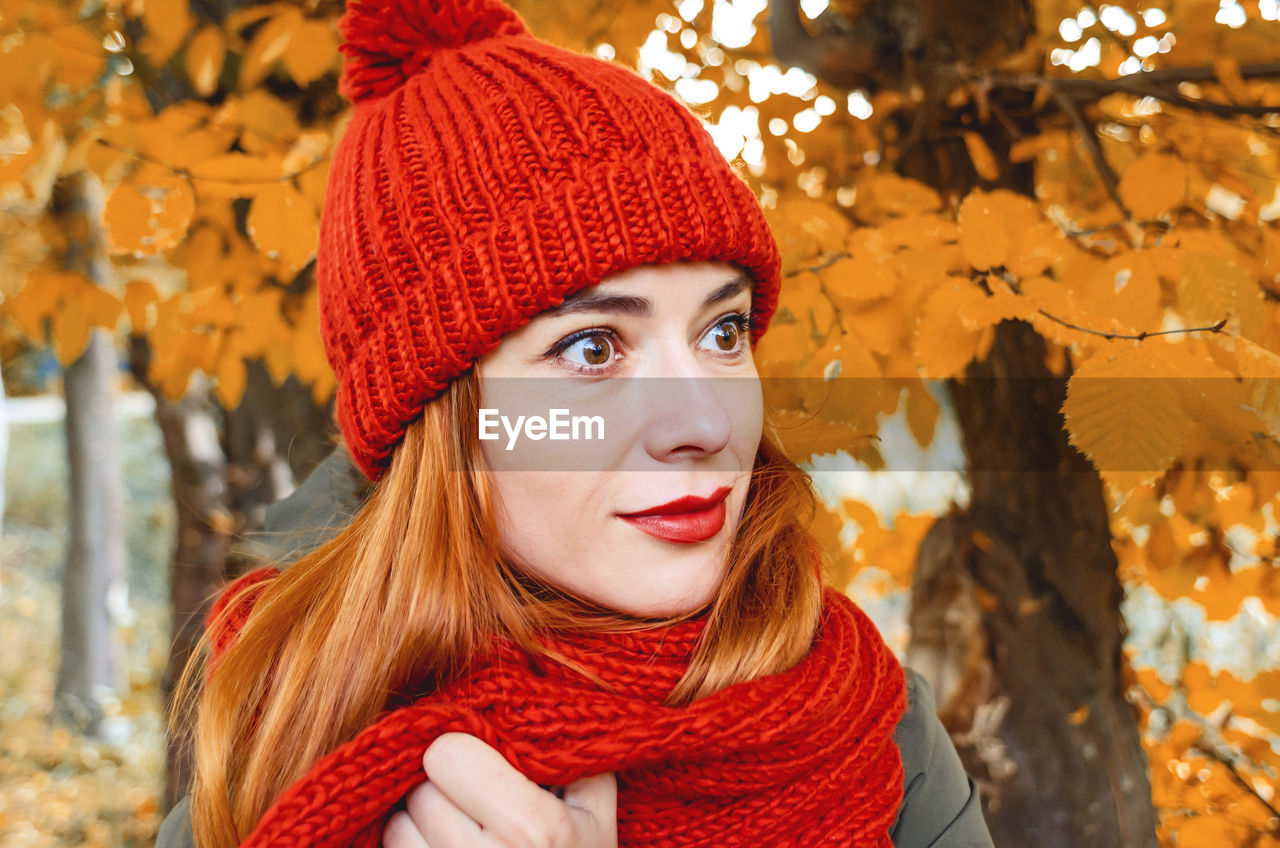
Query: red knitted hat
x=484 y=176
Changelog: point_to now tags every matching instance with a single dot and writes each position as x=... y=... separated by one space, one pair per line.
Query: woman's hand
x=473 y=798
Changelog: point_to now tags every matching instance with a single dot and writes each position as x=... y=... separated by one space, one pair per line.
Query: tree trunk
x=90 y=656
x=197 y=465
x=93 y=581
x=1015 y=617
x=4 y=456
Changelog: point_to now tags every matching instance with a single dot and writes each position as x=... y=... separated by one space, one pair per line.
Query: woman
x=617 y=637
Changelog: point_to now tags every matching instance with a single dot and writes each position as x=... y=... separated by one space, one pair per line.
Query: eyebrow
x=591 y=300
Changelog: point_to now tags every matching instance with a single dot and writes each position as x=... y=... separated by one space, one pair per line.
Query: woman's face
x=660 y=410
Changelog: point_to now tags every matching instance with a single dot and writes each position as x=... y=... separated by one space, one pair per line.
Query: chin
x=680 y=598
x=659 y=608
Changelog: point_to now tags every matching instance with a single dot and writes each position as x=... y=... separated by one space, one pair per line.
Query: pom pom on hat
x=388 y=41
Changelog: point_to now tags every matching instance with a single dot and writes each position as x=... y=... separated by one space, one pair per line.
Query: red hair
x=396 y=603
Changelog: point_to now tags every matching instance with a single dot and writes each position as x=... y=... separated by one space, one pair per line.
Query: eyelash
x=743 y=322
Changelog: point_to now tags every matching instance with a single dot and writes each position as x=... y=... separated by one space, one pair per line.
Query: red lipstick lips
x=684 y=520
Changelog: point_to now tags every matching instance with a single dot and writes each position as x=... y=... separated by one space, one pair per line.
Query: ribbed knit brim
x=502 y=177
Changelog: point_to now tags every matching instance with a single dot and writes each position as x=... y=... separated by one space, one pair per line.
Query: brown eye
x=728 y=338
x=726 y=335
x=596 y=350
x=588 y=351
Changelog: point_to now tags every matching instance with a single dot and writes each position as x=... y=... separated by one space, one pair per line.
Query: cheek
x=545 y=518
x=746 y=408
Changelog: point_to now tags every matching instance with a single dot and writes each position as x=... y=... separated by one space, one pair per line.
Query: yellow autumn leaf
x=127 y=217
x=1026 y=149
x=1213 y=287
x=991 y=310
x=195 y=146
x=213 y=307
x=323 y=388
x=1037 y=245
x=881 y=324
x=267 y=45
x=984 y=232
x=919 y=232
x=311 y=181
x=267 y=121
x=1124 y=413
x=239 y=19
x=204 y=255
x=984 y=161
x=234 y=175
x=172 y=211
x=803 y=436
x=230 y=373
x=780 y=350
x=1260 y=370
x=922 y=413
x=1215 y=401
x=138 y=295
x=856 y=360
x=107 y=164
x=39 y=299
x=886 y=193
x=842 y=357
x=204 y=58
x=805 y=228
x=1153 y=185
x=797 y=295
x=183 y=354
x=860 y=278
x=76 y=54
x=167 y=23
x=70 y=330
x=279 y=362
x=1121 y=294
x=262 y=326
x=943 y=346
x=311 y=51
x=309 y=359
x=148 y=218
x=101 y=307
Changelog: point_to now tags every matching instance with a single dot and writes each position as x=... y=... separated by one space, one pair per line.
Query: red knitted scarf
x=800 y=758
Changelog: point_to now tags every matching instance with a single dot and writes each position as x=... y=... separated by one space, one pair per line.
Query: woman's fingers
x=440 y=822
x=595 y=801
x=508 y=808
x=482 y=784
x=597 y=794
x=401 y=832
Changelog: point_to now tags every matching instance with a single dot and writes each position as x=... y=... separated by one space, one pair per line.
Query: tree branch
x=1090 y=138
x=1137 y=337
x=186 y=172
x=1213 y=754
x=1159 y=84
x=828 y=261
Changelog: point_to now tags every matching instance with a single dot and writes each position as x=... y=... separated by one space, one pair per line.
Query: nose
x=685 y=415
